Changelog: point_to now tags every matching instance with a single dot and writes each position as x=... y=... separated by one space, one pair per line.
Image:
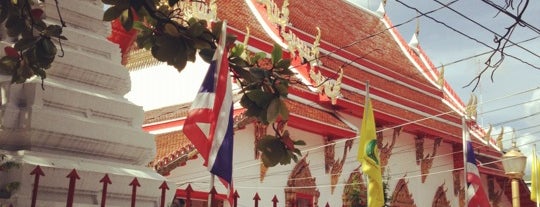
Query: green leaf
x=276 y=54
x=237 y=50
x=299 y=142
x=283 y=88
x=283 y=63
x=25 y=43
x=207 y=54
x=216 y=28
x=53 y=30
x=274 y=110
x=258 y=73
x=112 y=13
x=252 y=108
x=272 y=150
x=284 y=111
x=261 y=98
x=258 y=56
x=127 y=19
x=141 y=27
x=196 y=29
x=173 y=2
x=110 y=2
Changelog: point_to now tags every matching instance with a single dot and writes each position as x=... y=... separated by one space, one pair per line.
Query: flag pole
x=464 y=141
x=535 y=166
x=212 y=178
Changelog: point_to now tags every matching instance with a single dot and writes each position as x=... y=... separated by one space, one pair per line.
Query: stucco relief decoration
x=500 y=138
x=471 y=108
x=440 y=199
x=402 y=196
x=198 y=9
x=355 y=190
x=386 y=150
x=487 y=136
x=337 y=167
x=310 y=54
x=259 y=133
x=494 y=196
x=427 y=162
x=459 y=190
x=329 y=154
x=419 y=144
x=301 y=181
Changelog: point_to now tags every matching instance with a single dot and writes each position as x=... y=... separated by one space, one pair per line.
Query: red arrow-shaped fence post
x=106 y=181
x=256 y=198
x=73 y=177
x=164 y=187
x=327 y=205
x=135 y=184
x=213 y=193
x=236 y=196
x=188 y=195
x=275 y=201
x=37 y=172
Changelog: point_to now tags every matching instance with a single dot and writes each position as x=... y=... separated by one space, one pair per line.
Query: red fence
x=37 y=172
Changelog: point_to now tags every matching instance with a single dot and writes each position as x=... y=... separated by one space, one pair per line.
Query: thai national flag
x=209 y=121
x=475 y=191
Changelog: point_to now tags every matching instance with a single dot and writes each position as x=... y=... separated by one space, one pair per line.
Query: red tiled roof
x=166 y=113
x=172 y=149
x=239 y=16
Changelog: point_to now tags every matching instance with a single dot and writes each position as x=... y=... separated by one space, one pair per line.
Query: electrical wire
x=257 y=162
x=484 y=27
x=465 y=35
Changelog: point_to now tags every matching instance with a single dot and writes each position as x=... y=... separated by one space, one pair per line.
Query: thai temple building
x=74 y=140
x=81 y=134
x=418 y=115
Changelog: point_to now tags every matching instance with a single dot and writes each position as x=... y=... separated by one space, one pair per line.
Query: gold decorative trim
x=494 y=196
x=440 y=199
x=329 y=154
x=280 y=17
x=402 y=196
x=386 y=150
x=458 y=189
x=337 y=167
x=356 y=189
x=301 y=177
x=197 y=9
x=426 y=162
x=419 y=144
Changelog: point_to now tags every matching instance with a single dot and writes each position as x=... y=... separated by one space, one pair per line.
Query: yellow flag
x=535 y=164
x=368 y=155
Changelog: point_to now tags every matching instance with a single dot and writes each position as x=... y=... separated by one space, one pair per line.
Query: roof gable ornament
x=414 y=40
x=309 y=54
x=381 y=11
x=440 y=78
x=471 y=108
x=198 y=9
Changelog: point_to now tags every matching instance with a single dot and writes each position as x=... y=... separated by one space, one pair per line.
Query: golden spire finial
x=417 y=31
x=440 y=79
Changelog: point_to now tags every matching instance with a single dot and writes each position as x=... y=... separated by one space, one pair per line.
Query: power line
x=258 y=162
x=484 y=27
x=465 y=35
x=516 y=18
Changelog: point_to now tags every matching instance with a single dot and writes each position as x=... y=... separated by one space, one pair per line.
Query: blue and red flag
x=475 y=192
x=209 y=123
